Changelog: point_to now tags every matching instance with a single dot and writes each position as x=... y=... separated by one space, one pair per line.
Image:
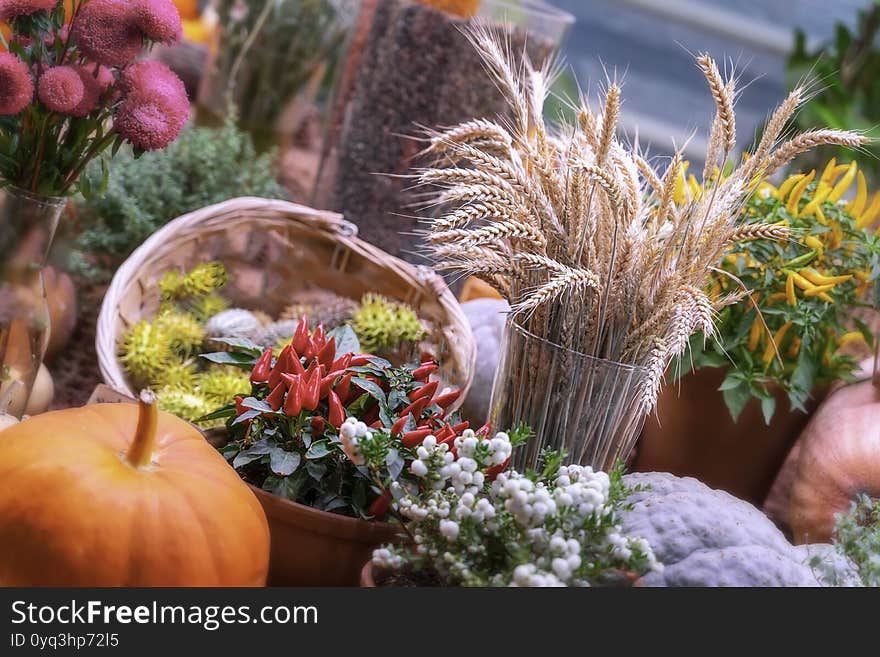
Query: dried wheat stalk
x=580 y=231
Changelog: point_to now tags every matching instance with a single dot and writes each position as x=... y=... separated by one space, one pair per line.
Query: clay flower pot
x=692 y=434
x=367 y=580
x=317 y=548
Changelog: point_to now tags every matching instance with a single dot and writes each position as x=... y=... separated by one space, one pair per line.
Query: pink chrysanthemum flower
x=16 y=85
x=106 y=31
x=159 y=20
x=94 y=85
x=155 y=107
x=12 y=9
x=61 y=89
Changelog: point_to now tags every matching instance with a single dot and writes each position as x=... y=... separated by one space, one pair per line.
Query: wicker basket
x=272 y=249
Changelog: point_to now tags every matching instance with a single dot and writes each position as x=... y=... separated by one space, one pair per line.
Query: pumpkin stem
x=141 y=451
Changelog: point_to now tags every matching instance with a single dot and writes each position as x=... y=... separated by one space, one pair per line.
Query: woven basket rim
x=330 y=224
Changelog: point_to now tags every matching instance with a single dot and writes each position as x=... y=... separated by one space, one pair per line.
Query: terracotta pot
x=316 y=548
x=692 y=434
x=367 y=581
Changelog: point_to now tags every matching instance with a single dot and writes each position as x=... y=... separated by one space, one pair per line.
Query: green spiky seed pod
x=178 y=375
x=186 y=405
x=207 y=306
x=183 y=330
x=383 y=325
x=219 y=385
x=145 y=352
x=203 y=279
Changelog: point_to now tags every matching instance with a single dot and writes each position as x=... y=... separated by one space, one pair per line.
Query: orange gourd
x=124 y=495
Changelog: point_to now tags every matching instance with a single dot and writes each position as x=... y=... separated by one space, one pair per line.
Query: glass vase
x=587 y=406
x=271 y=61
x=27 y=228
x=410 y=66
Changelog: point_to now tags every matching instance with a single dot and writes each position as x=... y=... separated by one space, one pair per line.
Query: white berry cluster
x=514 y=531
x=350 y=433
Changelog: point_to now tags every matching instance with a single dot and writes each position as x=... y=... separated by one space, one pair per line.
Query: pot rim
x=335 y=524
x=367 y=580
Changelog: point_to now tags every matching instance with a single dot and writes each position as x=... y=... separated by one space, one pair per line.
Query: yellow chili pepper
x=755 y=334
x=852 y=336
x=819 y=197
x=857 y=205
x=778 y=337
x=816 y=291
x=863 y=275
x=836 y=236
x=789 y=290
x=799 y=280
x=828 y=171
x=777 y=296
x=869 y=215
x=694 y=187
x=815 y=243
x=678 y=191
x=794 y=348
x=820 y=279
x=793 y=200
x=824 y=296
x=788 y=185
x=841 y=187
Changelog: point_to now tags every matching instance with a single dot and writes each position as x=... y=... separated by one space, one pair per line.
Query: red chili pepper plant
x=288 y=436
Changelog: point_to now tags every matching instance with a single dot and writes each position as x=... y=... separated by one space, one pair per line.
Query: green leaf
x=229 y=358
x=226 y=411
x=318 y=450
x=346 y=340
x=256 y=451
x=768 y=407
x=732 y=380
x=736 y=399
x=282 y=462
x=371 y=388
x=286 y=487
x=256 y=404
x=244 y=344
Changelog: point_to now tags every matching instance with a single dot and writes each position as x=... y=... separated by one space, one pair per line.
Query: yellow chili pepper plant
x=803 y=291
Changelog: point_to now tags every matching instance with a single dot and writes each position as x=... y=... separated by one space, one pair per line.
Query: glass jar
x=590 y=407
x=27 y=228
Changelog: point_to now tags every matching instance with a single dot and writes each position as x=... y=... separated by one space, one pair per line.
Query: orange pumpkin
x=836 y=458
x=123 y=495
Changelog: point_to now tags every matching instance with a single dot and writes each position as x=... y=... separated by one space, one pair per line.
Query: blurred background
x=649 y=44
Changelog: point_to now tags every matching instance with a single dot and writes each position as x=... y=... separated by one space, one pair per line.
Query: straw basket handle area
x=269 y=245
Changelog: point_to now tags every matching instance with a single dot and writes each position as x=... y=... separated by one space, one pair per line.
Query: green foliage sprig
x=856 y=537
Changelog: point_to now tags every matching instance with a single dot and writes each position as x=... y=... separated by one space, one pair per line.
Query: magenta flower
x=94 y=85
x=155 y=107
x=61 y=89
x=16 y=85
x=12 y=9
x=159 y=20
x=106 y=31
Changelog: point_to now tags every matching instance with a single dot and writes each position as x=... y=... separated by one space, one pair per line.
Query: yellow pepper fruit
x=789 y=290
x=841 y=187
x=794 y=348
x=788 y=185
x=800 y=281
x=868 y=216
x=820 y=279
x=813 y=207
x=828 y=171
x=793 y=200
x=815 y=243
x=694 y=187
x=863 y=275
x=836 y=236
x=857 y=205
x=777 y=296
x=824 y=296
x=755 y=334
x=819 y=289
x=847 y=338
x=778 y=337
x=678 y=191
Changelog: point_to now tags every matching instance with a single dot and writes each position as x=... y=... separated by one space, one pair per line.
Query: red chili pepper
x=446 y=434
x=342 y=362
x=415 y=437
x=293 y=402
x=262 y=368
x=301 y=336
x=239 y=407
x=327 y=353
x=318 y=425
x=311 y=387
x=423 y=371
x=380 y=505
x=415 y=409
x=376 y=425
x=484 y=430
x=398 y=426
x=327 y=382
x=446 y=400
x=343 y=388
x=493 y=472
x=320 y=337
x=276 y=398
x=458 y=428
x=281 y=366
x=336 y=415
x=359 y=360
x=426 y=390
